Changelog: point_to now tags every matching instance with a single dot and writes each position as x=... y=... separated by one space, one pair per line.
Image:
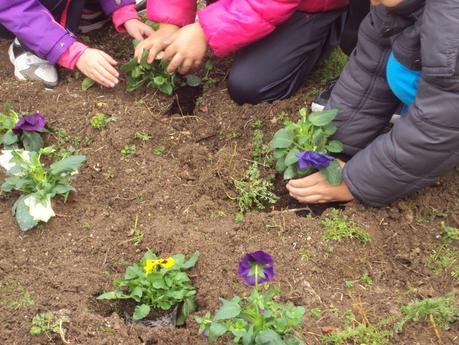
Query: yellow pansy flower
x=150 y=265
x=167 y=263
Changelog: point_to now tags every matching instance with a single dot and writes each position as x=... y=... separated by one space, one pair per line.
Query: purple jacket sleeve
x=33 y=24
x=110 y=6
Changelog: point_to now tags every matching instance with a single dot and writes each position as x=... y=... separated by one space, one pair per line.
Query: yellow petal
x=150 y=265
x=167 y=263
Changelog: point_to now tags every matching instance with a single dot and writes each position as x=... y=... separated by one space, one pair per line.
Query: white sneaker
x=28 y=66
x=140 y=5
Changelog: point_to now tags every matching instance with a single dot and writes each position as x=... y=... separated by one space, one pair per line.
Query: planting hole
x=185 y=99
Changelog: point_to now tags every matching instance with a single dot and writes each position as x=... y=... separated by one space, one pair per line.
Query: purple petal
x=261 y=258
x=30 y=123
x=317 y=160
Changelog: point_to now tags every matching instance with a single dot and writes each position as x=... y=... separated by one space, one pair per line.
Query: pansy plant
x=21 y=130
x=154 y=75
x=38 y=182
x=257 y=318
x=304 y=147
x=159 y=283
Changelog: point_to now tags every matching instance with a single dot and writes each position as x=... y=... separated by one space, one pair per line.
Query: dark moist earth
x=184 y=202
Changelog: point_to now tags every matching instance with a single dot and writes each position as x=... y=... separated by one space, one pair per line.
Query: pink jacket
x=232 y=24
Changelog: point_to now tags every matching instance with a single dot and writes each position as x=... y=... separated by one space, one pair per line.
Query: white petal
x=159 y=56
x=5 y=159
x=39 y=210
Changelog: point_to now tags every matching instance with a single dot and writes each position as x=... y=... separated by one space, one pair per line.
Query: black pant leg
x=275 y=67
x=358 y=10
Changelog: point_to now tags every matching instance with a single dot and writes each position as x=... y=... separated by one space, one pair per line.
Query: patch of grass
x=439 y=311
x=100 y=121
x=14 y=296
x=446 y=255
x=128 y=150
x=330 y=68
x=338 y=227
x=253 y=191
x=257 y=124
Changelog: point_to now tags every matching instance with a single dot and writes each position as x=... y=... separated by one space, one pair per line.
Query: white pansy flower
x=5 y=159
x=40 y=210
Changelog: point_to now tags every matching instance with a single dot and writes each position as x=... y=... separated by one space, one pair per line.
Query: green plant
x=136 y=232
x=128 y=150
x=257 y=124
x=159 y=150
x=37 y=182
x=446 y=255
x=303 y=147
x=349 y=284
x=316 y=313
x=338 y=227
x=440 y=311
x=14 y=296
x=47 y=323
x=253 y=190
x=365 y=279
x=155 y=75
x=157 y=283
x=100 y=121
x=261 y=153
x=258 y=318
x=87 y=83
x=207 y=80
x=143 y=137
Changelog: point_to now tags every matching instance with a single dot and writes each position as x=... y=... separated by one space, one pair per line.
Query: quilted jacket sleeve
x=425 y=144
x=32 y=23
x=178 y=12
x=232 y=24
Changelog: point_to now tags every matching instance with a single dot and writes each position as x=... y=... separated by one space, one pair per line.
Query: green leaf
x=87 y=83
x=113 y=295
x=279 y=153
x=32 y=141
x=290 y=172
x=188 y=307
x=335 y=146
x=129 y=66
x=228 y=310
x=10 y=138
x=291 y=157
x=323 y=118
x=216 y=330
x=72 y=163
x=62 y=189
x=141 y=311
x=193 y=80
x=329 y=129
x=318 y=139
x=333 y=173
x=133 y=272
x=159 y=80
x=282 y=139
x=192 y=261
x=137 y=293
x=280 y=165
x=21 y=212
x=268 y=337
x=167 y=88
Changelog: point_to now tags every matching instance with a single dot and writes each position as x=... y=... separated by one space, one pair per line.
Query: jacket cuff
x=172 y=12
x=62 y=45
x=122 y=15
x=70 y=58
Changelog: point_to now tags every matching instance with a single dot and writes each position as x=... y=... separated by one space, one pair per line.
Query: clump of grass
x=128 y=150
x=100 y=121
x=14 y=296
x=338 y=227
x=446 y=255
x=253 y=191
x=439 y=311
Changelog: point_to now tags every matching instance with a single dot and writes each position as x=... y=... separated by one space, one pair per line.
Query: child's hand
x=314 y=189
x=155 y=43
x=186 y=48
x=98 y=66
x=137 y=29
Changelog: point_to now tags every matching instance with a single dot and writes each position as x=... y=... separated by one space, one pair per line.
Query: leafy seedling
x=100 y=121
x=87 y=83
x=48 y=323
x=338 y=227
x=128 y=150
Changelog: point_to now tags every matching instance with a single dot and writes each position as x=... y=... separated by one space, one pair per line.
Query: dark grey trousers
x=276 y=66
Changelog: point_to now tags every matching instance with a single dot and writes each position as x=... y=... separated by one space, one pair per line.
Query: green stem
x=256 y=277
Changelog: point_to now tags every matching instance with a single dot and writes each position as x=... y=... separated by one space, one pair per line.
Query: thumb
x=171 y=38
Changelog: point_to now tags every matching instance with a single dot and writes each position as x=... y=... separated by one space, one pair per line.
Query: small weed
x=217 y=214
x=235 y=134
x=261 y=152
x=305 y=255
x=349 y=284
x=143 y=137
x=365 y=279
x=253 y=191
x=338 y=227
x=257 y=124
x=159 y=150
x=15 y=297
x=136 y=232
x=207 y=80
x=128 y=150
x=316 y=313
x=100 y=121
x=439 y=311
x=88 y=226
x=446 y=255
x=48 y=323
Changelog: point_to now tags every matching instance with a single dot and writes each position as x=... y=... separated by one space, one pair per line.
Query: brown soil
x=183 y=200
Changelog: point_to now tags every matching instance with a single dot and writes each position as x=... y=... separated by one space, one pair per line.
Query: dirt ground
x=183 y=200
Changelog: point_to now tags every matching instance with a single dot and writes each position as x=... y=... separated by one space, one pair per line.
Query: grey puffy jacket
x=424 y=35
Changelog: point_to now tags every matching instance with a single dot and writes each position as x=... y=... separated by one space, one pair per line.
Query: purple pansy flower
x=257 y=263
x=30 y=123
x=313 y=159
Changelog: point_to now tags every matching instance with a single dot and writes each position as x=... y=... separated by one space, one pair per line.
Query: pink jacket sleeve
x=178 y=12
x=232 y=24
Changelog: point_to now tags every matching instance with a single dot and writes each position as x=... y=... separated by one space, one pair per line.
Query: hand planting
x=303 y=147
x=21 y=130
x=155 y=75
x=258 y=318
x=37 y=182
x=157 y=283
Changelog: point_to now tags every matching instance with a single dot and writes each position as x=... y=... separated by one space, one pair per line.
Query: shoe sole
x=316 y=107
x=94 y=26
x=19 y=76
